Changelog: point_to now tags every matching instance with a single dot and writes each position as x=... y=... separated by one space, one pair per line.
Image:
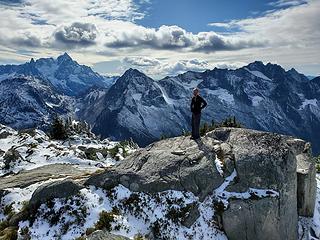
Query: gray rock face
x=28 y=177
x=306 y=179
x=4 y=134
x=268 y=161
x=263 y=161
x=176 y=163
x=253 y=219
x=58 y=189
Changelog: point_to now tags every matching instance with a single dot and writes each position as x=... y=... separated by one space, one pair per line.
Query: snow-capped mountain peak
x=64 y=73
x=63 y=58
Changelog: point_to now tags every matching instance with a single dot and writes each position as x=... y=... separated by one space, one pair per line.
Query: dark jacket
x=197 y=103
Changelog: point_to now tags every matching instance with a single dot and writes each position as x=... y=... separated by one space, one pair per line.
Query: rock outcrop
x=176 y=164
x=306 y=175
x=58 y=189
x=262 y=161
x=10 y=157
x=26 y=178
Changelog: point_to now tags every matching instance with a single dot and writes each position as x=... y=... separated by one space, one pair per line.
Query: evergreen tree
x=203 y=129
x=58 y=129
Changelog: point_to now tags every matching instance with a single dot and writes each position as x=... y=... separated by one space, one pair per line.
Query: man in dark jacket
x=197 y=104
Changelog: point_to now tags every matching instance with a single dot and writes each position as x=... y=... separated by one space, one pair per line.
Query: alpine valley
x=261 y=96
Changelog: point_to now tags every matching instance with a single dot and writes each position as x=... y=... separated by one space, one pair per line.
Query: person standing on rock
x=197 y=104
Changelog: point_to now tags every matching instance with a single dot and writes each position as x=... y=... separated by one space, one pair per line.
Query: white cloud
x=219 y=24
x=287 y=3
x=158 y=68
x=105 y=30
x=141 y=61
x=295 y=26
x=77 y=34
x=175 y=37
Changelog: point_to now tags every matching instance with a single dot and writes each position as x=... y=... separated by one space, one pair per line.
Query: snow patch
x=219 y=165
x=164 y=94
x=222 y=94
x=311 y=102
x=256 y=100
x=258 y=74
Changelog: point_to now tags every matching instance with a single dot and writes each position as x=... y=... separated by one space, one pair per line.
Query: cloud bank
x=105 y=30
x=77 y=34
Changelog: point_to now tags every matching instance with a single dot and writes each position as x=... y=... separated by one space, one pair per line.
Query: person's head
x=195 y=92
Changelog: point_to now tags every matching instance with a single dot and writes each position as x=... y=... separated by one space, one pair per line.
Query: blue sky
x=194 y=15
x=163 y=37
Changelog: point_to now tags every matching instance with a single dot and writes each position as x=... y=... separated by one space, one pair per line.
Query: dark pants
x=195 y=125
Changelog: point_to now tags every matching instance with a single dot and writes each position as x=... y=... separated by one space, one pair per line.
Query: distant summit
x=63 y=58
x=64 y=73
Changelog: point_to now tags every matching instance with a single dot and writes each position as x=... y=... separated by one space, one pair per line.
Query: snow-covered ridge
x=33 y=149
x=63 y=72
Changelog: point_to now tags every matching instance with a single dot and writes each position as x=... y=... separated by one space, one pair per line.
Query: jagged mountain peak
x=133 y=72
x=133 y=76
x=63 y=72
x=293 y=70
x=256 y=65
x=64 y=58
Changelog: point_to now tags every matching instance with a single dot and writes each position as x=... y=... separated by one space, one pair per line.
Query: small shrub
x=89 y=231
x=186 y=133
x=3 y=225
x=114 y=151
x=25 y=206
x=218 y=207
x=8 y=210
x=25 y=233
x=204 y=129
x=156 y=228
x=81 y=238
x=138 y=236
x=254 y=196
x=178 y=215
x=105 y=221
x=163 y=136
x=317 y=160
x=132 y=203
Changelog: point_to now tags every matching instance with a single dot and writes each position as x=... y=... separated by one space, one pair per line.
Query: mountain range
x=261 y=96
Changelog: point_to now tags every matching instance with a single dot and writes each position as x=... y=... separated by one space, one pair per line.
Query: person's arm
x=191 y=105
x=204 y=103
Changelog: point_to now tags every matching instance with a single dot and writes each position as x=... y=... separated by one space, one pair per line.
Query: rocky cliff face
x=250 y=176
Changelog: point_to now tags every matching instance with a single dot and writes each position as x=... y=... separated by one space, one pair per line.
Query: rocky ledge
x=261 y=182
x=233 y=183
